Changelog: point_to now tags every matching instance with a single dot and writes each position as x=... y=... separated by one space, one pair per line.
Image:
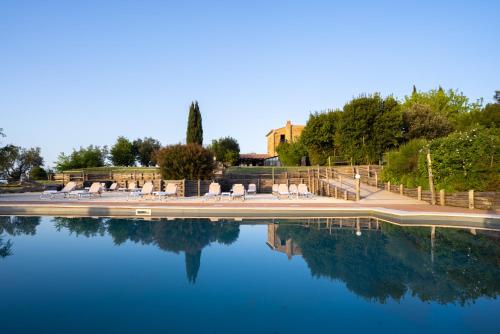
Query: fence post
x=273 y=174
x=345 y=195
x=441 y=197
x=419 y=193
x=376 y=179
x=335 y=190
x=184 y=187
x=471 y=199
x=358 y=189
x=389 y=186
x=340 y=180
x=199 y=186
x=401 y=190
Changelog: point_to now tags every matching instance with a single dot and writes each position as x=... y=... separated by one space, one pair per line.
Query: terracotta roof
x=253 y=156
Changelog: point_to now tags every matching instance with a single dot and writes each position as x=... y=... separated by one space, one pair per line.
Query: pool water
x=84 y=275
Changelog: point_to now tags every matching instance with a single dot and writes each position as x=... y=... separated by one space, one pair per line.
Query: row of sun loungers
x=284 y=191
x=97 y=188
x=238 y=191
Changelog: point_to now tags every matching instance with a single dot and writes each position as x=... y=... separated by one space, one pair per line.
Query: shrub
x=466 y=160
x=402 y=164
x=291 y=154
x=191 y=161
x=38 y=173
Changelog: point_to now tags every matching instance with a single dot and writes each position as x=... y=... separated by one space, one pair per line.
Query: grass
x=109 y=169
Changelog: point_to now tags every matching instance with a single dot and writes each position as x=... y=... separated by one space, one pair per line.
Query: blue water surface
x=101 y=275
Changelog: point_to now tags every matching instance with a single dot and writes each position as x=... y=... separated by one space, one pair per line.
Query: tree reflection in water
x=14 y=226
x=388 y=262
x=188 y=236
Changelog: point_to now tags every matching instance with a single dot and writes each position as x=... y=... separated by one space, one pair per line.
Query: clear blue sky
x=74 y=73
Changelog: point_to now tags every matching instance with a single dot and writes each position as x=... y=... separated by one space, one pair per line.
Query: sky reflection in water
x=123 y=275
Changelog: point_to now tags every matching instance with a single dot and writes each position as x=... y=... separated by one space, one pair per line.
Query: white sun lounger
x=94 y=190
x=303 y=191
x=283 y=191
x=147 y=189
x=113 y=187
x=252 y=189
x=275 y=189
x=170 y=191
x=70 y=186
x=294 y=191
x=132 y=186
x=214 y=191
x=238 y=191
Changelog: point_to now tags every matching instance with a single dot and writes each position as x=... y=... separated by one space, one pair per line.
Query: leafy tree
x=194 y=133
x=318 y=136
x=419 y=121
x=489 y=116
x=145 y=150
x=368 y=127
x=190 y=161
x=226 y=150
x=122 y=153
x=291 y=154
x=16 y=161
x=451 y=104
x=91 y=156
x=38 y=173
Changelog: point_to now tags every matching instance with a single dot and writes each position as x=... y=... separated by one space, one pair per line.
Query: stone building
x=289 y=133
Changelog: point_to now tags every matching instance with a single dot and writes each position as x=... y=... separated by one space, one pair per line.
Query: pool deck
x=261 y=205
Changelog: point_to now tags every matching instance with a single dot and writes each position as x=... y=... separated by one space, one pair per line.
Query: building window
x=282 y=139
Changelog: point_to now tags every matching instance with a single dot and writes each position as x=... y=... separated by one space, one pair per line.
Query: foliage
x=16 y=162
x=145 y=150
x=368 y=127
x=194 y=133
x=190 y=161
x=489 y=116
x=291 y=154
x=453 y=105
x=402 y=164
x=419 y=121
x=122 y=153
x=226 y=150
x=92 y=156
x=38 y=173
x=318 y=136
x=466 y=160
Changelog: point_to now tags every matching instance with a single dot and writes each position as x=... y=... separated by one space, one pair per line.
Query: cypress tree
x=194 y=133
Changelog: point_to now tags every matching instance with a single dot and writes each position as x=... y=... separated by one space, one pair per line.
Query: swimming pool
x=354 y=274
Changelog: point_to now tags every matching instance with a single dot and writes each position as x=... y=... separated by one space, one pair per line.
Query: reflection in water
x=376 y=260
x=189 y=236
x=15 y=225
x=381 y=261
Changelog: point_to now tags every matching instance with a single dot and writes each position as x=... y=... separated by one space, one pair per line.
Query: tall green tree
x=419 y=121
x=194 y=133
x=122 y=153
x=226 y=150
x=85 y=157
x=145 y=150
x=17 y=162
x=318 y=136
x=368 y=127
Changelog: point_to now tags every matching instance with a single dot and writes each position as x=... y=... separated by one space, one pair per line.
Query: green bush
x=38 y=173
x=291 y=154
x=402 y=164
x=466 y=160
x=191 y=161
